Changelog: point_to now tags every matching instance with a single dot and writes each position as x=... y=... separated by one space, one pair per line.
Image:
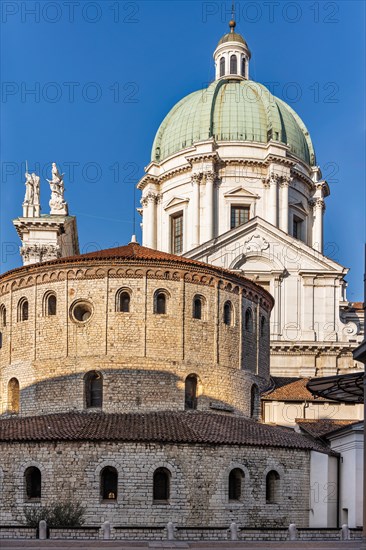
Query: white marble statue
x=31 y=204
x=57 y=203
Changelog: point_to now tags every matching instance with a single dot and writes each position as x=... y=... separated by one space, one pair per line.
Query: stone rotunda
x=129 y=382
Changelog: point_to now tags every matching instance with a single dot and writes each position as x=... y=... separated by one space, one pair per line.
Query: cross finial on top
x=232 y=23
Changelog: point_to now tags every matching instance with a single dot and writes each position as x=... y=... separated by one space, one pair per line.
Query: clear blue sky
x=106 y=73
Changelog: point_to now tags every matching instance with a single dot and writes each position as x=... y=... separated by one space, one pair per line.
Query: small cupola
x=232 y=55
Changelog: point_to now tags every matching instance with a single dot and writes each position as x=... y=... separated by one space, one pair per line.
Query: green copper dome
x=232 y=110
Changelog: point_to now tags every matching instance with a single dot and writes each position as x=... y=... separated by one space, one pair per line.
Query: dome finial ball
x=232 y=25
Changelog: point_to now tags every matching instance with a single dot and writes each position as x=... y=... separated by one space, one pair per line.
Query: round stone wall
x=62 y=323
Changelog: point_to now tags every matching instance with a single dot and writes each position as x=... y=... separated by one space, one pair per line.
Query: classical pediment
x=240 y=192
x=299 y=206
x=259 y=246
x=176 y=201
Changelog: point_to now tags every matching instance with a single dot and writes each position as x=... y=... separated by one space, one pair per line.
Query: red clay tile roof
x=322 y=427
x=163 y=427
x=290 y=389
x=136 y=252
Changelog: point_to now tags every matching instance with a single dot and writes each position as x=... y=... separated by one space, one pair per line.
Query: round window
x=81 y=311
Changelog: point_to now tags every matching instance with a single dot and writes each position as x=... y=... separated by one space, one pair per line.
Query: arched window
x=33 y=483
x=123 y=299
x=23 y=310
x=190 y=392
x=93 y=389
x=109 y=483
x=2 y=315
x=198 y=307
x=13 y=396
x=222 y=66
x=272 y=487
x=236 y=478
x=228 y=313
x=254 y=396
x=243 y=66
x=263 y=326
x=233 y=64
x=161 y=490
x=160 y=302
x=49 y=304
x=249 y=320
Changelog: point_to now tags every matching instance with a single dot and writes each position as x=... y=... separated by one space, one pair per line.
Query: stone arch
x=278 y=469
x=22 y=471
x=161 y=298
x=224 y=483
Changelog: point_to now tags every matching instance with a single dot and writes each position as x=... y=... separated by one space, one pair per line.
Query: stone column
x=285 y=182
x=149 y=220
x=318 y=209
x=272 y=199
x=210 y=178
x=195 y=179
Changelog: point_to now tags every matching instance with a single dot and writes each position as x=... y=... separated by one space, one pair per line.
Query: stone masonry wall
x=198 y=490
x=144 y=357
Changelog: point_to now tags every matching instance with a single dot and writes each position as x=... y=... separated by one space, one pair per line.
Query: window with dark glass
x=228 y=313
x=249 y=320
x=13 y=396
x=160 y=303
x=190 y=396
x=123 y=300
x=3 y=315
x=161 y=489
x=197 y=307
x=296 y=228
x=51 y=304
x=254 y=396
x=1 y=340
x=233 y=64
x=272 y=487
x=33 y=483
x=239 y=215
x=93 y=389
x=177 y=233
x=222 y=66
x=243 y=66
x=108 y=483
x=236 y=477
x=23 y=310
x=263 y=326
